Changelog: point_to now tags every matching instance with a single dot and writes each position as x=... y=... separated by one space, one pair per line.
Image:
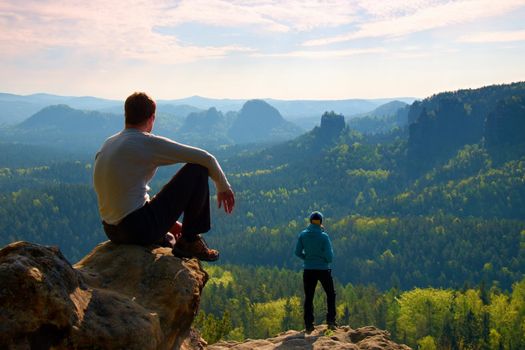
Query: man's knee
x=195 y=169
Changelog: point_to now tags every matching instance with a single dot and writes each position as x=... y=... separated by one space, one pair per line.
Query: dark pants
x=187 y=192
x=310 y=278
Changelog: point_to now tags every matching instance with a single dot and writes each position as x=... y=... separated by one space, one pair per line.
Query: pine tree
x=346 y=315
x=287 y=321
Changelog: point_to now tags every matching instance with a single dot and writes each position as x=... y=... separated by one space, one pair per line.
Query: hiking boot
x=332 y=326
x=309 y=329
x=197 y=249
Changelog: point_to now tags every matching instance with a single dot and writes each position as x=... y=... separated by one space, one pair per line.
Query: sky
x=282 y=49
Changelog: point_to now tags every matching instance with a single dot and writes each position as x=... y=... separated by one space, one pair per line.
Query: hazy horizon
x=213 y=98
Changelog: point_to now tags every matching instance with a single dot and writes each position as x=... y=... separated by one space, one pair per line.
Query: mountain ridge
x=14 y=108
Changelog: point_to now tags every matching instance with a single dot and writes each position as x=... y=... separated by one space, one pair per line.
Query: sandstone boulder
x=117 y=297
x=343 y=338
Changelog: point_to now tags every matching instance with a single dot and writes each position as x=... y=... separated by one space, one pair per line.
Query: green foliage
x=505 y=127
x=443 y=123
x=426 y=317
x=443 y=251
x=213 y=329
x=377 y=122
x=422 y=312
x=427 y=343
x=52 y=215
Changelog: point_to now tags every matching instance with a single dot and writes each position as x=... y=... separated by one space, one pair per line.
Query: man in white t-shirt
x=124 y=166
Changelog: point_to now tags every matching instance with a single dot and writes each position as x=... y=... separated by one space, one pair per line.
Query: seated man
x=125 y=165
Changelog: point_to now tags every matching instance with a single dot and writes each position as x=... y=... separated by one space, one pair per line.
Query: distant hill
x=61 y=126
x=163 y=109
x=504 y=132
x=314 y=108
x=383 y=119
x=389 y=108
x=67 y=127
x=443 y=123
x=373 y=120
x=177 y=110
x=204 y=122
x=205 y=127
x=300 y=151
x=66 y=119
x=303 y=112
x=258 y=121
x=16 y=108
x=199 y=102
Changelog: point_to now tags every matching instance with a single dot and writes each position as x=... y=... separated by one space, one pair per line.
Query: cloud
x=493 y=37
x=112 y=30
x=421 y=16
x=218 y=13
x=394 y=8
x=102 y=29
x=268 y=15
x=323 y=54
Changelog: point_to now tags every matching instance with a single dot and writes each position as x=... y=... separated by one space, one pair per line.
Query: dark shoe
x=197 y=249
x=332 y=326
x=309 y=329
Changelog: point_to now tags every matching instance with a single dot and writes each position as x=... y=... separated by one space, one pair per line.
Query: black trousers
x=187 y=192
x=310 y=279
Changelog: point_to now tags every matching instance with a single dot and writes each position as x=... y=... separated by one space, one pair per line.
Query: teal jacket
x=315 y=248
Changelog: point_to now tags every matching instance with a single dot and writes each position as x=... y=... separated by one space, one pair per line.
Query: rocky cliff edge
x=127 y=297
x=117 y=297
x=343 y=338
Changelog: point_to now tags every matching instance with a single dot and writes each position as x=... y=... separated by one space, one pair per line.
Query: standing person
x=124 y=166
x=315 y=249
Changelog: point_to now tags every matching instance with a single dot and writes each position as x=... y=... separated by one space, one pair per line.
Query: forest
x=425 y=208
x=258 y=302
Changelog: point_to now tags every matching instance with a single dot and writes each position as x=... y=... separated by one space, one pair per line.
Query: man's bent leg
x=328 y=285
x=187 y=192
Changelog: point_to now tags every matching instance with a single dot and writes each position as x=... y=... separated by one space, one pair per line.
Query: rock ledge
x=343 y=338
x=117 y=297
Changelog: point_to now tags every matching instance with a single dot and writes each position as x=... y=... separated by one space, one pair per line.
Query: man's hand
x=227 y=200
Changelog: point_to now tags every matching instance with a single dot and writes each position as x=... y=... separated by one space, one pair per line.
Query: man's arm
x=329 y=250
x=167 y=151
x=299 y=249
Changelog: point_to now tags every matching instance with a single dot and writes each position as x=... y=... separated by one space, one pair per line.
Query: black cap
x=316 y=216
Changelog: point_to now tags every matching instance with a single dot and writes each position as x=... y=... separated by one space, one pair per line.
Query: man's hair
x=138 y=108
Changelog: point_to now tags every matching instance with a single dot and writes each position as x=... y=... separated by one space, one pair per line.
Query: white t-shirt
x=126 y=163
